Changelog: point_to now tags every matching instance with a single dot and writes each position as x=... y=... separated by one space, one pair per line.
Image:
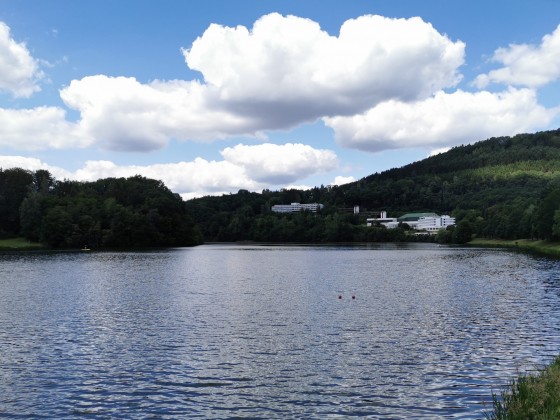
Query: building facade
x=426 y=222
x=388 y=222
x=294 y=207
x=433 y=224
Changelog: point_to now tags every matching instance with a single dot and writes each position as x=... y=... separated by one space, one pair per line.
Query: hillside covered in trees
x=506 y=187
x=112 y=212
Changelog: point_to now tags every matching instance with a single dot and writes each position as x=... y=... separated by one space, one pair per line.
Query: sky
x=216 y=96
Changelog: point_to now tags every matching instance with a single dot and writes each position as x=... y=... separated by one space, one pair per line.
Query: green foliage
x=462 y=233
x=507 y=187
x=19 y=244
x=503 y=188
x=14 y=186
x=112 y=212
x=530 y=397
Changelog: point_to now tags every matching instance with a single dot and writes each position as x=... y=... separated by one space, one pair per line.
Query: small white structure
x=294 y=207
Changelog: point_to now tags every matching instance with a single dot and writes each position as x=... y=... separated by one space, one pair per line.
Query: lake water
x=226 y=331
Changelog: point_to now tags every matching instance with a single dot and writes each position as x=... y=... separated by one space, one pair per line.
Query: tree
x=14 y=186
x=547 y=210
x=56 y=226
x=462 y=232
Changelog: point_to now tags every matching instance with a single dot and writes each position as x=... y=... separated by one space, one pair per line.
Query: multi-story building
x=290 y=208
x=433 y=224
x=427 y=222
x=388 y=222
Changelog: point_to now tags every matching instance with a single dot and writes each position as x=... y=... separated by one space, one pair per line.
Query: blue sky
x=216 y=96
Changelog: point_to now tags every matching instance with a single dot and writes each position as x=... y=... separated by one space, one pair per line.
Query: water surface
x=223 y=331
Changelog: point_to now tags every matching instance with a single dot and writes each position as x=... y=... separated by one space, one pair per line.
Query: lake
x=253 y=331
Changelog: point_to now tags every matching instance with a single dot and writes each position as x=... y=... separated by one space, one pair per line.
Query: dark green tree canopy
x=111 y=212
x=504 y=187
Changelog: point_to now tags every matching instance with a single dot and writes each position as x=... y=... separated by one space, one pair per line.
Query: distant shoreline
x=19 y=244
x=545 y=248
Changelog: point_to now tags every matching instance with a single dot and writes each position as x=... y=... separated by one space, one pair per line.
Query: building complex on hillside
x=388 y=222
x=427 y=222
x=294 y=207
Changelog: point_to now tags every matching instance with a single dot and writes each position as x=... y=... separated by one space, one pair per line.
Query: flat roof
x=412 y=217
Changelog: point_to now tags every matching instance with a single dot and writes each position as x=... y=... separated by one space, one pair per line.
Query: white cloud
x=39 y=128
x=442 y=120
x=124 y=114
x=280 y=164
x=33 y=164
x=244 y=167
x=378 y=83
x=297 y=187
x=526 y=65
x=198 y=177
x=287 y=70
x=439 y=151
x=341 y=180
x=19 y=72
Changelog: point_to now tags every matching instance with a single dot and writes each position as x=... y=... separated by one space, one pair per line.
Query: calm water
x=259 y=331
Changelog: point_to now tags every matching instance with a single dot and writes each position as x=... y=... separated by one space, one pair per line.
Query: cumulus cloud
x=439 y=151
x=379 y=83
x=39 y=128
x=442 y=120
x=124 y=114
x=280 y=164
x=32 y=164
x=282 y=72
x=244 y=167
x=341 y=180
x=525 y=64
x=196 y=178
x=298 y=187
x=19 y=71
x=286 y=70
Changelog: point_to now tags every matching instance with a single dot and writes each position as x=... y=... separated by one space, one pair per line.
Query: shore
x=531 y=396
x=534 y=396
x=549 y=249
x=16 y=244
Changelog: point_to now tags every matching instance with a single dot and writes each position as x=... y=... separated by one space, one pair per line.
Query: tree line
x=111 y=212
x=505 y=187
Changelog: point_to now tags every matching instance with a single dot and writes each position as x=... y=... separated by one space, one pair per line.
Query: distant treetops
x=111 y=212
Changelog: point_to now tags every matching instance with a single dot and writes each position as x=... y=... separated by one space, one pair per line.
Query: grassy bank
x=531 y=397
x=18 y=244
x=551 y=249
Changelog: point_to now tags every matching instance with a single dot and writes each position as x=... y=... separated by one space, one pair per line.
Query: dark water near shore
x=224 y=331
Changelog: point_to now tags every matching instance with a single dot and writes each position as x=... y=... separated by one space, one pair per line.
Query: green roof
x=413 y=217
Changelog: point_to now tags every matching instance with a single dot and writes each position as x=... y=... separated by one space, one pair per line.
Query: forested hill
x=494 y=172
x=112 y=212
x=497 y=151
x=506 y=187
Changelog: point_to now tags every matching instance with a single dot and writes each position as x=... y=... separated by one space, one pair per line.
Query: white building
x=294 y=207
x=388 y=222
x=432 y=224
x=426 y=222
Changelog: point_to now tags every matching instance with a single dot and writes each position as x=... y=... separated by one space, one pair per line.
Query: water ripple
x=418 y=332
